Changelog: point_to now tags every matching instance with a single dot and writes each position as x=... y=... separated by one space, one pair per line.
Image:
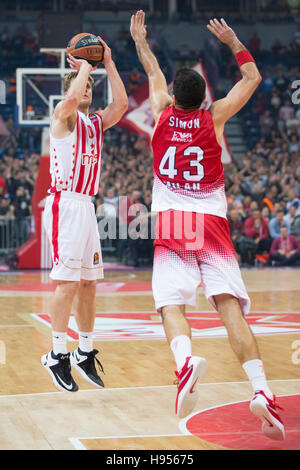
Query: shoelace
x=276 y=406
x=176 y=381
x=273 y=402
x=66 y=365
x=92 y=356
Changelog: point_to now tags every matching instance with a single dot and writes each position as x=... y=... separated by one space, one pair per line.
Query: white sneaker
x=192 y=371
x=265 y=409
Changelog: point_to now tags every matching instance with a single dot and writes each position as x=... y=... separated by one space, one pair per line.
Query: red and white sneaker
x=265 y=409
x=192 y=371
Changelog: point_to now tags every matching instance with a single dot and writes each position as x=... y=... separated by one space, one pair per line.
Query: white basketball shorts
x=178 y=271
x=71 y=226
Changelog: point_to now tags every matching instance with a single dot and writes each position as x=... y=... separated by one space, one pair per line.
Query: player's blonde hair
x=70 y=76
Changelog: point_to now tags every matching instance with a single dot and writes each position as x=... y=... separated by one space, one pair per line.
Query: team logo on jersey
x=93 y=117
x=96 y=258
x=87 y=159
x=182 y=137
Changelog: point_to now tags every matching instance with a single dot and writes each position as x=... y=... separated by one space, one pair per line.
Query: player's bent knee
x=172 y=309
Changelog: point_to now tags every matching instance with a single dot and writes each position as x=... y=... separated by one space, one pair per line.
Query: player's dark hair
x=189 y=88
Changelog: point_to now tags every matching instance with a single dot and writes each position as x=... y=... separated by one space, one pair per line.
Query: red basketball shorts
x=192 y=250
x=71 y=227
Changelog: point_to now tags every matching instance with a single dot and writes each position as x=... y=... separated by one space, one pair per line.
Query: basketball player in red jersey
x=193 y=243
x=76 y=138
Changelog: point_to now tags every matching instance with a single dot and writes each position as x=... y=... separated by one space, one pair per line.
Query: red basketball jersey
x=188 y=172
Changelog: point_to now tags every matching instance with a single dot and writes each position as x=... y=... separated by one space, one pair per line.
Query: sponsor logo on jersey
x=182 y=137
x=87 y=159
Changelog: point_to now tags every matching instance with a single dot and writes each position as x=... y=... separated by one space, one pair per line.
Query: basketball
x=86 y=46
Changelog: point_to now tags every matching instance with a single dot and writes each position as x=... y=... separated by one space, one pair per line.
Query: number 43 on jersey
x=168 y=167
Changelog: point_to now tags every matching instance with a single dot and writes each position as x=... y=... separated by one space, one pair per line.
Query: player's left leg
x=83 y=359
x=84 y=309
x=224 y=288
x=243 y=344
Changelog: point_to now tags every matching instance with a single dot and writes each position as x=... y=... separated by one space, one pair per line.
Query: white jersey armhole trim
x=64 y=138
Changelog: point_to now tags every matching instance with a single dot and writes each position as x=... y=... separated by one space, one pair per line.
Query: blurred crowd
x=263 y=187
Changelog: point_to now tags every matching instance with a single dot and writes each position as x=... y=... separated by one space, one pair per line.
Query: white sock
x=182 y=348
x=86 y=341
x=59 y=340
x=255 y=371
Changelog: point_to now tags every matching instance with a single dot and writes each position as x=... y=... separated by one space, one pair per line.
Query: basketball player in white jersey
x=189 y=187
x=75 y=159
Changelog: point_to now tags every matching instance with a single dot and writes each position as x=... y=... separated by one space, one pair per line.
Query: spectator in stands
x=6 y=207
x=110 y=203
x=286 y=111
x=2 y=186
x=293 y=220
x=265 y=213
x=293 y=199
x=266 y=123
x=294 y=144
x=285 y=249
x=246 y=205
x=236 y=227
x=256 y=193
x=276 y=223
x=281 y=81
x=257 y=229
x=254 y=44
x=268 y=201
x=128 y=210
x=22 y=205
x=267 y=82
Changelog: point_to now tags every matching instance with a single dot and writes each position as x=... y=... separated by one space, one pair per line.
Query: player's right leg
x=57 y=361
x=175 y=280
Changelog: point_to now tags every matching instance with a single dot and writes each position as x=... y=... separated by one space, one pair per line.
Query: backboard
x=39 y=90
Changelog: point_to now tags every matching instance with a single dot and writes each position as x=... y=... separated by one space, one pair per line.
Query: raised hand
x=77 y=63
x=138 y=29
x=222 y=31
x=106 y=53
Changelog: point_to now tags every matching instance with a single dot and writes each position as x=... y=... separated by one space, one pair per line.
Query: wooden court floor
x=136 y=408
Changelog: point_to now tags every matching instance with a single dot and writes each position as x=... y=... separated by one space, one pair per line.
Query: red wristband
x=243 y=57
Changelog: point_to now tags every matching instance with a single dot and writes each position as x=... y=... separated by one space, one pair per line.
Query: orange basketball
x=86 y=46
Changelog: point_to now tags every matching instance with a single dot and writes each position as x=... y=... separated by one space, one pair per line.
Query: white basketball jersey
x=75 y=161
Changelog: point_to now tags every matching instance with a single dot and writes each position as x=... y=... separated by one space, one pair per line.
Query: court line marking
x=203 y=384
x=17 y=326
x=76 y=441
x=129 y=294
x=185 y=431
x=78 y=445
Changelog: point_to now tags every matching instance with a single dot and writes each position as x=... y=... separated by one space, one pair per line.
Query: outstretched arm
x=158 y=89
x=115 y=110
x=224 y=109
